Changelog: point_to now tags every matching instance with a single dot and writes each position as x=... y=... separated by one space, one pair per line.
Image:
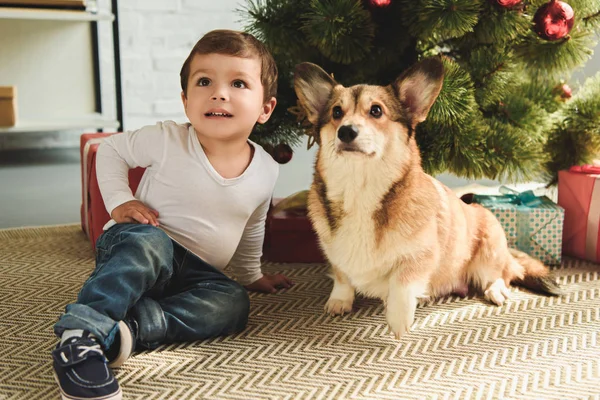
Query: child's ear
x=267 y=110
x=313 y=87
x=418 y=87
x=184 y=100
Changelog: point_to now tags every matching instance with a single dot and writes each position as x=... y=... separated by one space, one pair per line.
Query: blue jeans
x=172 y=294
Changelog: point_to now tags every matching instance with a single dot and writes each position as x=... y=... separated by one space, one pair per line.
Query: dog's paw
x=400 y=324
x=497 y=292
x=338 y=306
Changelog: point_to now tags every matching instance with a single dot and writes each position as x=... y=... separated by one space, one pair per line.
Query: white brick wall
x=156 y=37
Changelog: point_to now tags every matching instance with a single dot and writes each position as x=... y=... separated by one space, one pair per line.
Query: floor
x=39 y=187
x=533 y=347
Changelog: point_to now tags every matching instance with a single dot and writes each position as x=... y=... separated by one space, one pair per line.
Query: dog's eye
x=337 y=112
x=376 y=111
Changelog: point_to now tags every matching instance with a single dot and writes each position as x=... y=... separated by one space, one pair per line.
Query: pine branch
x=592 y=21
x=341 y=30
x=456 y=101
x=552 y=59
x=444 y=18
x=276 y=23
x=501 y=27
x=575 y=138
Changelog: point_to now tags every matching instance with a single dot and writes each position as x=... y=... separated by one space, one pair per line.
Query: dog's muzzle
x=347 y=133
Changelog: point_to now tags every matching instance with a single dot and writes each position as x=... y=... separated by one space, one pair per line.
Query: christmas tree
x=505 y=111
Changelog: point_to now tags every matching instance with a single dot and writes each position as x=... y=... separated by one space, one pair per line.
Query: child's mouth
x=218 y=114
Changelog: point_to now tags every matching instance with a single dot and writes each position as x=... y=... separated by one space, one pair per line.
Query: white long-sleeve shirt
x=220 y=220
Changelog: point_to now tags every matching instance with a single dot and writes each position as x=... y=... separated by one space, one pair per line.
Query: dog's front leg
x=401 y=304
x=342 y=295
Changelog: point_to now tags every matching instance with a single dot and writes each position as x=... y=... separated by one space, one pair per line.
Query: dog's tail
x=537 y=276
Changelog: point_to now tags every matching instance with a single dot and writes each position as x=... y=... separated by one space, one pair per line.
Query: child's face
x=225 y=96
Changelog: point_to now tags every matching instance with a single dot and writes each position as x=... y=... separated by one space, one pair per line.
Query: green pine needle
x=494 y=74
x=446 y=18
x=456 y=100
x=341 y=30
x=500 y=27
x=553 y=58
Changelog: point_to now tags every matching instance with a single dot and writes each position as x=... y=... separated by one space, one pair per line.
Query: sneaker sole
x=126 y=346
x=64 y=396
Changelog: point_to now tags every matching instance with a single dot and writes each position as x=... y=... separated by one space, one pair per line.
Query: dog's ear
x=418 y=87
x=313 y=87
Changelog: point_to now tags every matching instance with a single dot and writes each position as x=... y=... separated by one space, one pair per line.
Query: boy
x=200 y=206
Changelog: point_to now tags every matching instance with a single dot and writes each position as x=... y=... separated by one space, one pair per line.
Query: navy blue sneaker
x=81 y=370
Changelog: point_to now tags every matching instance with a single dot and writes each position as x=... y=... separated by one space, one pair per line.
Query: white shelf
x=91 y=122
x=54 y=15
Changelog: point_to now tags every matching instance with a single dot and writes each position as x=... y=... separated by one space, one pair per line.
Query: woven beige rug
x=534 y=347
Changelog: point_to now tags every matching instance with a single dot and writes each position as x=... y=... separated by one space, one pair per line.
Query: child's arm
x=246 y=264
x=116 y=155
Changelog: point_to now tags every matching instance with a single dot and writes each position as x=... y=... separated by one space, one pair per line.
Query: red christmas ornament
x=506 y=3
x=554 y=20
x=282 y=153
x=566 y=91
x=380 y=3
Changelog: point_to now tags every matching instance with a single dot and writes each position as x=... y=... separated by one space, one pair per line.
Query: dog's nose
x=347 y=133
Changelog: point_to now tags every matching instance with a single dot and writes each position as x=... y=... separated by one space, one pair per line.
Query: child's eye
x=239 y=84
x=203 y=82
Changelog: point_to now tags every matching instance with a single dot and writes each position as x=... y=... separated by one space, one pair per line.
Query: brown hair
x=236 y=44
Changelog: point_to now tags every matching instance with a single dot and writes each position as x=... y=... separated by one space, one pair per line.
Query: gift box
x=93 y=211
x=290 y=238
x=532 y=224
x=579 y=195
x=8 y=105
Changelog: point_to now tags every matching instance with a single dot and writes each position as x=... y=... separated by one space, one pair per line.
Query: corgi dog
x=388 y=229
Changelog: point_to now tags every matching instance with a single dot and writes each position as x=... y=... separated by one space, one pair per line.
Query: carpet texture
x=533 y=347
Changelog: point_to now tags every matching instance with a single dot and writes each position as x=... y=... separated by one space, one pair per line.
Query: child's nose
x=220 y=93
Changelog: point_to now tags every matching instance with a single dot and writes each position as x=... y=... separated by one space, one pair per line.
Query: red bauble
x=282 y=153
x=566 y=91
x=506 y=3
x=554 y=20
x=380 y=3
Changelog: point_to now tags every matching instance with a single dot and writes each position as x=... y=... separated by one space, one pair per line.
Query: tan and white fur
x=387 y=228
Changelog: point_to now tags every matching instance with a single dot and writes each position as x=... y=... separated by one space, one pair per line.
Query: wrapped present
x=93 y=211
x=289 y=235
x=579 y=195
x=533 y=224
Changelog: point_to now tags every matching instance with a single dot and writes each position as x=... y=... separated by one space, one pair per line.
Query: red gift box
x=93 y=211
x=290 y=238
x=579 y=195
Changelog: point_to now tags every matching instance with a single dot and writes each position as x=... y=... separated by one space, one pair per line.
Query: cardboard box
x=536 y=229
x=579 y=195
x=8 y=105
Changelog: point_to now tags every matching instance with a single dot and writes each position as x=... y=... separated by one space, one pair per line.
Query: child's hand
x=270 y=284
x=135 y=211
